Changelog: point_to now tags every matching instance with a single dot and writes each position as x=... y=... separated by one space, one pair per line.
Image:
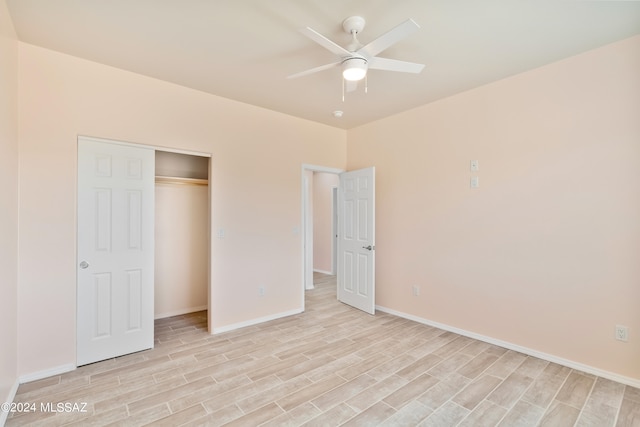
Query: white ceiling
x=244 y=49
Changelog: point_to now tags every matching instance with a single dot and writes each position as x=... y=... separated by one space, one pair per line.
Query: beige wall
x=181 y=249
x=255 y=164
x=8 y=203
x=544 y=254
x=323 y=184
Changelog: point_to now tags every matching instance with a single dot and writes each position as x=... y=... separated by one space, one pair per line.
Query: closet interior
x=181 y=233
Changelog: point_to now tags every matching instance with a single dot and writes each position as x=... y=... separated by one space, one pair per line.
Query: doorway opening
x=318 y=233
x=355 y=271
x=181 y=234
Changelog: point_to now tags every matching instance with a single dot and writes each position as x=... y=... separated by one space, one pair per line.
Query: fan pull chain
x=366 y=83
x=343 y=85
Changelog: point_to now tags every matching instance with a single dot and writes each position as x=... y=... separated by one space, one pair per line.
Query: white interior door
x=115 y=250
x=356 y=239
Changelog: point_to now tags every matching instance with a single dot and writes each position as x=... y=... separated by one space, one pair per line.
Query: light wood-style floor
x=332 y=365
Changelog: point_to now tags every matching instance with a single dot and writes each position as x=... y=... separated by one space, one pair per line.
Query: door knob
x=369 y=248
x=84 y=264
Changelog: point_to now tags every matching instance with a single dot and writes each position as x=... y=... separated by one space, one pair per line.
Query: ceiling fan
x=355 y=59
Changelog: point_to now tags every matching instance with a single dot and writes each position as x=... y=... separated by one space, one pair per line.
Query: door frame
x=210 y=204
x=306 y=239
x=334 y=230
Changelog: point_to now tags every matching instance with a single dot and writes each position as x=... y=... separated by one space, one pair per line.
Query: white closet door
x=115 y=250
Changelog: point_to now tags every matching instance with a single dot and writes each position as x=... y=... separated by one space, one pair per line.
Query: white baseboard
x=530 y=352
x=180 y=312
x=256 y=321
x=9 y=399
x=322 y=271
x=46 y=373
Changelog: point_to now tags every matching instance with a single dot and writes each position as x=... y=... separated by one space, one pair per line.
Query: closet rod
x=180 y=180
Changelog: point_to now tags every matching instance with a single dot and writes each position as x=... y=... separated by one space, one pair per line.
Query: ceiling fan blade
x=314 y=70
x=389 y=38
x=386 y=64
x=325 y=42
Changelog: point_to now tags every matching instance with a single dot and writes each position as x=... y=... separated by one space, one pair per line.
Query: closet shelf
x=180 y=180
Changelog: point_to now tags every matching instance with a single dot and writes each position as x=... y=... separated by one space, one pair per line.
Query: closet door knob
x=84 y=264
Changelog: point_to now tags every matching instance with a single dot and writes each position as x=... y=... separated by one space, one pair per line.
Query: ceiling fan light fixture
x=354 y=69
